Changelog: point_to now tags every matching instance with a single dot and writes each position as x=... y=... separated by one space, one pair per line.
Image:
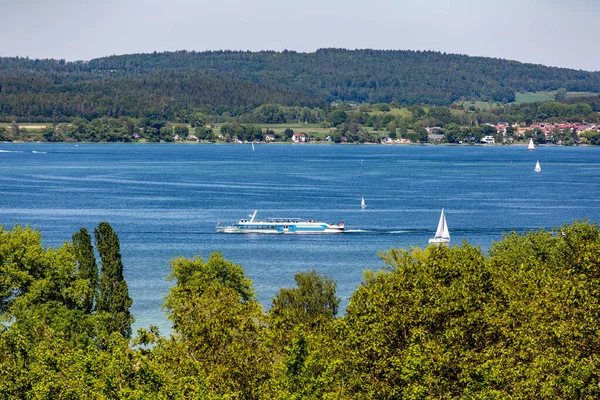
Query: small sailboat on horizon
x=537 y=167
x=442 y=235
x=530 y=147
x=363 y=205
x=252 y=146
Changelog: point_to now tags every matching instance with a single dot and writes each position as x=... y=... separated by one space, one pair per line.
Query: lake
x=164 y=201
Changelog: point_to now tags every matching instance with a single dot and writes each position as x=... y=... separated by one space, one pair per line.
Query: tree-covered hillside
x=160 y=84
x=408 y=77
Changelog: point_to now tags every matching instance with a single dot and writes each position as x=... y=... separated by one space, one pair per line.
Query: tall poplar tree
x=113 y=297
x=86 y=265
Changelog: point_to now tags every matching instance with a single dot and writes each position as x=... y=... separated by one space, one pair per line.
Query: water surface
x=165 y=200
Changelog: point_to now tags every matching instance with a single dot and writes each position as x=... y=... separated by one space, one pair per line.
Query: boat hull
x=438 y=241
x=282 y=226
x=275 y=232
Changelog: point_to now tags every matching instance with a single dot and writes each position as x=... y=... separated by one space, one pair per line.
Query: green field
x=581 y=94
x=478 y=105
x=531 y=97
x=528 y=97
x=26 y=125
x=396 y=112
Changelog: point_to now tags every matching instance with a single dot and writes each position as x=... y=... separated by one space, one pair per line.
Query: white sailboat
x=442 y=235
x=252 y=146
x=537 y=167
x=362 y=203
x=530 y=146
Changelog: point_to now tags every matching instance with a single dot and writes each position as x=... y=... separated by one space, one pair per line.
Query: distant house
x=269 y=137
x=298 y=137
x=192 y=137
x=329 y=139
x=387 y=140
x=344 y=139
x=435 y=137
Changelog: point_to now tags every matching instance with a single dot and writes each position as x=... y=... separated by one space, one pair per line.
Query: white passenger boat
x=280 y=225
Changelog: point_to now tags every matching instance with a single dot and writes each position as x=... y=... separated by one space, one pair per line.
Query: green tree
x=86 y=266
x=220 y=327
x=382 y=107
x=312 y=300
x=199 y=119
x=593 y=137
x=113 y=297
x=182 y=131
x=560 y=94
x=51 y=135
x=41 y=291
x=3 y=134
x=288 y=133
x=14 y=130
x=338 y=117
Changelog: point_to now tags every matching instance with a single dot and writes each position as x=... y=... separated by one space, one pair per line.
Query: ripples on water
x=165 y=200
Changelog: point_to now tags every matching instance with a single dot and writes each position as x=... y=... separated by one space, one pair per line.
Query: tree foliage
x=517 y=321
x=113 y=296
x=86 y=266
x=312 y=301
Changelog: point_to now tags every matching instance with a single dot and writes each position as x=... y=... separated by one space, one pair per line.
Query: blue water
x=165 y=200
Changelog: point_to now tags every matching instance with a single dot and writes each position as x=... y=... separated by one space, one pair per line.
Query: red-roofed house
x=298 y=137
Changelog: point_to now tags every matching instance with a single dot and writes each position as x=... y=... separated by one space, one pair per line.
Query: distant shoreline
x=305 y=144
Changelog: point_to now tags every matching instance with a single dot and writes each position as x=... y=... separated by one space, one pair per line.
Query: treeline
x=459 y=123
x=174 y=84
x=519 y=320
x=354 y=122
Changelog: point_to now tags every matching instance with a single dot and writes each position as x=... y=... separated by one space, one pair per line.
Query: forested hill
x=133 y=84
x=408 y=77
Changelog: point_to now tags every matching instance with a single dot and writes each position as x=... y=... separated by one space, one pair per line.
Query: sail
x=442 y=229
x=362 y=203
x=537 y=167
x=530 y=146
x=442 y=234
x=446 y=232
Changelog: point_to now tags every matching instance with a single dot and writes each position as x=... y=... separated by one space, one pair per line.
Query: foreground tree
x=86 y=266
x=312 y=302
x=451 y=322
x=220 y=329
x=518 y=321
x=113 y=297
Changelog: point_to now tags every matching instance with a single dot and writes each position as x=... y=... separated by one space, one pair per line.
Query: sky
x=560 y=33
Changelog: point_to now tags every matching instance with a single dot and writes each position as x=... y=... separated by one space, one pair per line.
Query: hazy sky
x=552 y=32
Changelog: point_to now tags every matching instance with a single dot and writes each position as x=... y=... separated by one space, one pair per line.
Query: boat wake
x=10 y=151
x=39 y=152
x=384 y=231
